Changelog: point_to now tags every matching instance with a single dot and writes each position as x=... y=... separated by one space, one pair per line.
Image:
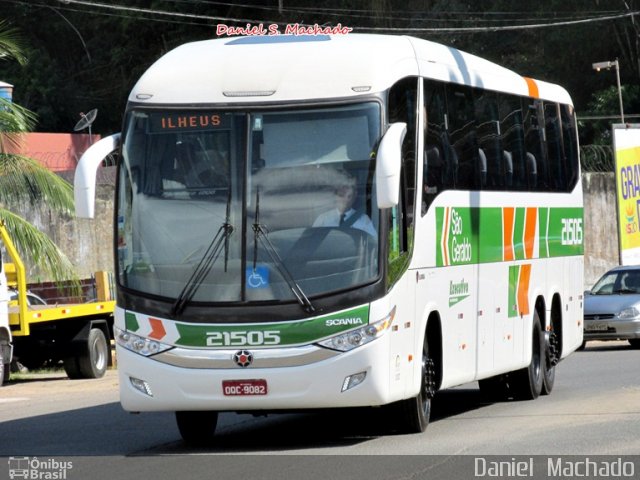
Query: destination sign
x=187 y=122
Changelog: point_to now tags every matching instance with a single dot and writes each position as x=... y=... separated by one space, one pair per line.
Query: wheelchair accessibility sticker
x=257 y=277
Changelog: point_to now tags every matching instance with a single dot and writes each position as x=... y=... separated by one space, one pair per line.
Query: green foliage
x=606 y=103
x=11 y=43
x=25 y=181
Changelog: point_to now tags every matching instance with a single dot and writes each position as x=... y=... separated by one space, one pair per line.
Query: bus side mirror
x=84 y=182
x=388 y=163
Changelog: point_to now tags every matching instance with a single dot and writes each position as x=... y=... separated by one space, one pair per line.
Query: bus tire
x=415 y=412
x=527 y=383
x=197 y=428
x=4 y=372
x=551 y=360
x=549 y=380
x=92 y=361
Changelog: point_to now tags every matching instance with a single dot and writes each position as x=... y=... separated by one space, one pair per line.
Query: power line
x=370 y=29
x=393 y=15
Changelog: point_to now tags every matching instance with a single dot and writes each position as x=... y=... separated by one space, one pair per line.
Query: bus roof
x=284 y=68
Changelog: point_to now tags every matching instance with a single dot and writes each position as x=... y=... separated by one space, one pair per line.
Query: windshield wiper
x=220 y=240
x=261 y=235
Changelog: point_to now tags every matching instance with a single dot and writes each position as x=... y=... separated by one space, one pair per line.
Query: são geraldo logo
x=223 y=30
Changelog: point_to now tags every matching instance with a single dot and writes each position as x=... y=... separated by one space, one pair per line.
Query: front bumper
x=314 y=385
x=611 y=329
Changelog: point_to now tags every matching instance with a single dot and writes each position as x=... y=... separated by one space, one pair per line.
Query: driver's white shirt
x=332 y=219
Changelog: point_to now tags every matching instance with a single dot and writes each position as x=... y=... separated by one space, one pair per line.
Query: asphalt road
x=593 y=410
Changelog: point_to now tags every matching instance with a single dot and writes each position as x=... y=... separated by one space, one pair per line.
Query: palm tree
x=23 y=181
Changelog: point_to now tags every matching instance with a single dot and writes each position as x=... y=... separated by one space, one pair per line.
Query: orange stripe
x=507 y=233
x=157 y=329
x=530 y=232
x=533 y=87
x=523 y=289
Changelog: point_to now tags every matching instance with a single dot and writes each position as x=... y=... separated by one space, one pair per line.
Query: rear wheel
x=197 y=428
x=415 y=412
x=635 y=342
x=4 y=369
x=527 y=383
x=552 y=357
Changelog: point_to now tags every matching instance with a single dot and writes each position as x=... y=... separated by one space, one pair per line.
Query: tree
x=25 y=181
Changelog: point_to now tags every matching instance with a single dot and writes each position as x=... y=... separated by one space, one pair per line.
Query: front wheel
x=197 y=428
x=415 y=412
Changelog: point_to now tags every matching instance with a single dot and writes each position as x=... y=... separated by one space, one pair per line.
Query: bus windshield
x=227 y=206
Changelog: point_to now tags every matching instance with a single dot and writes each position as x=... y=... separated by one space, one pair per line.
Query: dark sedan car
x=612 y=307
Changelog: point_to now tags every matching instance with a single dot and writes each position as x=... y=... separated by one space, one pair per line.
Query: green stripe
x=562 y=236
x=518 y=234
x=300 y=332
x=131 y=322
x=514 y=273
x=439 y=219
x=543 y=215
x=490 y=239
x=481 y=229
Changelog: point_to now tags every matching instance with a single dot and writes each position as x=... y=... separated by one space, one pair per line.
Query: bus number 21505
x=241 y=339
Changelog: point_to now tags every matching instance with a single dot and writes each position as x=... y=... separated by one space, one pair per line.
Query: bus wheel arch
x=433 y=337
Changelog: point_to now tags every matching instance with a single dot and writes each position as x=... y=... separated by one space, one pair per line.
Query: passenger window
x=462 y=130
x=570 y=143
x=440 y=160
x=555 y=149
x=535 y=157
x=489 y=145
x=513 y=151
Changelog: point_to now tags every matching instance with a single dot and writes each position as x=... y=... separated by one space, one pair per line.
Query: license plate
x=596 y=327
x=232 y=388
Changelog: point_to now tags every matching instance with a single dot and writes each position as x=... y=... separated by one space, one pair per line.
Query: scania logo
x=243 y=358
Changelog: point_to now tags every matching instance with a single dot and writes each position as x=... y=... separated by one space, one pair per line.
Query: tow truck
x=78 y=334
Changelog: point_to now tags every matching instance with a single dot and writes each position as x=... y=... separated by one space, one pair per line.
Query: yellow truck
x=77 y=334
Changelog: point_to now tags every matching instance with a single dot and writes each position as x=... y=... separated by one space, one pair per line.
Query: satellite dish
x=85 y=122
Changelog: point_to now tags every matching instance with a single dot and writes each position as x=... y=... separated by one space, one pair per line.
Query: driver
x=344 y=215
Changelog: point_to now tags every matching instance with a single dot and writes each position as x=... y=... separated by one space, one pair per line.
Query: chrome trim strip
x=262 y=358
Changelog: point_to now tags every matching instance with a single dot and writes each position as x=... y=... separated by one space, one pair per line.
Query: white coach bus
x=313 y=222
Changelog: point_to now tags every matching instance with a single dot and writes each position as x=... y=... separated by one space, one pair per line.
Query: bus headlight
x=361 y=336
x=137 y=344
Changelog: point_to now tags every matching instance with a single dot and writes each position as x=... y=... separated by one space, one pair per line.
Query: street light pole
x=607 y=66
x=619 y=90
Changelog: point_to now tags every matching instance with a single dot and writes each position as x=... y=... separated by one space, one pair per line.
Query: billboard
x=626 y=146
